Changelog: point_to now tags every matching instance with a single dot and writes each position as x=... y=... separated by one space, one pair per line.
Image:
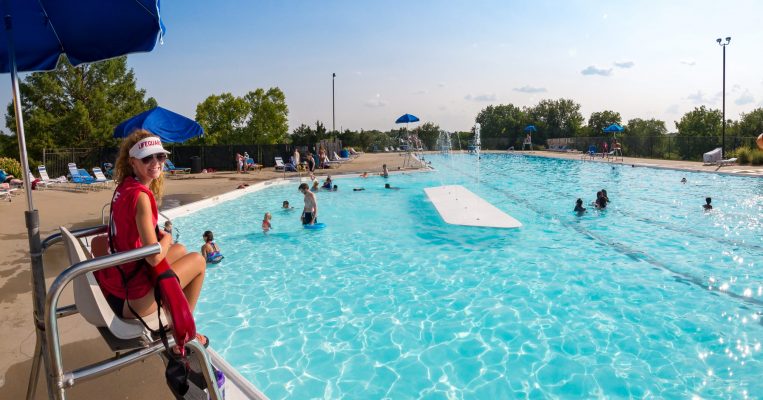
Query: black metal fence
x=218 y=157
x=663 y=147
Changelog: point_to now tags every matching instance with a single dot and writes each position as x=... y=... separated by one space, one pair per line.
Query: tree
x=267 y=122
x=501 y=121
x=222 y=118
x=695 y=127
x=428 y=133
x=700 y=122
x=645 y=137
x=645 y=127
x=555 y=119
x=600 y=120
x=303 y=135
x=77 y=106
x=750 y=124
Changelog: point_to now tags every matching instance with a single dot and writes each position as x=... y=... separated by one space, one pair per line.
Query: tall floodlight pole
x=723 y=129
x=333 y=107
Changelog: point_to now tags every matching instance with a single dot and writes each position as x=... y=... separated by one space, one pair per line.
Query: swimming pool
x=651 y=298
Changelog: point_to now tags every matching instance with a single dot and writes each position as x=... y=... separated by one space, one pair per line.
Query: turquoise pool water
x=652 y=298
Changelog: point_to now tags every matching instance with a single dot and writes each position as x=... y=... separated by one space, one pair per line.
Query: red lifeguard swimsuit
x=125 y=237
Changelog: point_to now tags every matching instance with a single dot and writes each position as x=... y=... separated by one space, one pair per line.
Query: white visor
x=146 y=147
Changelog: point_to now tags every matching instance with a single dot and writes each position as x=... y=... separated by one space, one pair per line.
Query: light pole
x=723 y=129
x=333 y=108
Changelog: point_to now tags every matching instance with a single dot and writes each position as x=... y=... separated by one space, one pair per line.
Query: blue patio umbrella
x=37 y=33
x=406 y=118
x=614 y=128
x=530 y=128
x=171 y=127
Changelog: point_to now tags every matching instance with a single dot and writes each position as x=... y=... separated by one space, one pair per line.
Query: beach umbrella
x=171 y=127
x=614 y=128
x=530 y=128
x=37 y=33
x=406 y=118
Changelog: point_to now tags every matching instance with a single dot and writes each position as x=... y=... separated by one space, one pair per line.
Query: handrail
x=57 y=287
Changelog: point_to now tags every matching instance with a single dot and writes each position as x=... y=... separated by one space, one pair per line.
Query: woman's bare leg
x=190 y=269
x=175 y=252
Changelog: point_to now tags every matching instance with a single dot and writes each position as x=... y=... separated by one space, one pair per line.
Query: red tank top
x=125 y=236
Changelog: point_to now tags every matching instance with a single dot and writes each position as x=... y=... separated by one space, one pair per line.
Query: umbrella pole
x=32 y=218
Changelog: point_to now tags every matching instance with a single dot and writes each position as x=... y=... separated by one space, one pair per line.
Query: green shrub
x=11 y=167
x=756 y=158
x=742 y=154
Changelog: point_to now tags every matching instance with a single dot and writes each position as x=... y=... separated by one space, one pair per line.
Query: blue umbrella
x=169 y=126
x=530 y=128
x=37 y=33
x=406 y=118
x=613 y=128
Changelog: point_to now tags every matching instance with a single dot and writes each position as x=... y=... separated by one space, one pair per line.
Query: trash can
x=195 y=165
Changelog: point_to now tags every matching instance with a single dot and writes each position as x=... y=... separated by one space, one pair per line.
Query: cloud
x=441 y=84
x=572 y=52
x=591 y=70
x=358 y=73
x=481 y=97
x=672 y=109
x=745 y=98
x=530 y=89
x=699 y=98
x=422 y=91
x=376 y=102
x=690 y=63
x=625 y=64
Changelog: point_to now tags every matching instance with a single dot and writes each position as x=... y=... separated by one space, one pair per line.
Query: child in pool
x=266 y=226
x=210 y=250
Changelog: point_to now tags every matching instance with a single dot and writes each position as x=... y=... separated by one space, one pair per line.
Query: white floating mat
x=458 y=206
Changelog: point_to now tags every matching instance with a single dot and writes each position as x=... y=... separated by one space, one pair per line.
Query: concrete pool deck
x=81 y=342
x=689 y=166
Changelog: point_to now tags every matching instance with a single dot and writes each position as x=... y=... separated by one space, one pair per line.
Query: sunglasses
x=159 y=157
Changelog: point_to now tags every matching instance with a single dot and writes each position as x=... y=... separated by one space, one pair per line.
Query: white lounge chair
x=40 y=185
x=727 y=162
x=100 y=177
x=79 y=179
x=46 y=179
x=280 y=166
x=712 y=157
x=340 y=159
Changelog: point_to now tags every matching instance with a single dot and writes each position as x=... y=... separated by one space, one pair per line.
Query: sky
x=444 y=61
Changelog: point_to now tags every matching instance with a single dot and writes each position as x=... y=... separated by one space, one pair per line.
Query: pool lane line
x=627 y=251
x=666 y=225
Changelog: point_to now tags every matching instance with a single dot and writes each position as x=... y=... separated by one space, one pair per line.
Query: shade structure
x=530 y=128
x=82 y=30
x=170 y=126
x=37 y=33
x=406 y=118
x=613 y=128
